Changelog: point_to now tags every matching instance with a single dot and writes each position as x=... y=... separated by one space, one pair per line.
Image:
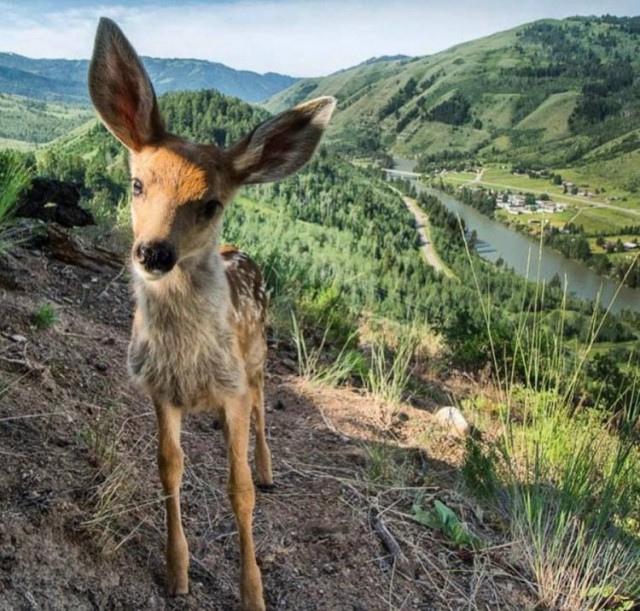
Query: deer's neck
x=194 y=288
x=182 y=349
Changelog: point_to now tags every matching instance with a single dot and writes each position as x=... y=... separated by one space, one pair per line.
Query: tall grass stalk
x=14 y=178
x=390 y=368
x=316 y=364
x=568 y=486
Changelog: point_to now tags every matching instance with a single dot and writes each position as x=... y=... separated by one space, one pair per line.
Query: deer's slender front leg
x=170 y=464
x=242 y=496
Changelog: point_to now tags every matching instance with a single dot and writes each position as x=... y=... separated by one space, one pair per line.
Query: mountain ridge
x=66 y=78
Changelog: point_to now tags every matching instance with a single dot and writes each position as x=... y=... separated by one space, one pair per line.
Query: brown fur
x=198 y=338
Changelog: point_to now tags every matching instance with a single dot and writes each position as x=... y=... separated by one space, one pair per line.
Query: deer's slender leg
x=263 y=455
x=242 y=497
x=170 y=464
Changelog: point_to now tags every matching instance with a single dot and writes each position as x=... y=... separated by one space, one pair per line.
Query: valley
x=471 y=276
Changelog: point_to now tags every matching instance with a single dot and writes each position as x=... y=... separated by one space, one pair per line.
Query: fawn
x=198 y=337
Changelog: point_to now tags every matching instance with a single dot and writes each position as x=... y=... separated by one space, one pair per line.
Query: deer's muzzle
x=156 y=257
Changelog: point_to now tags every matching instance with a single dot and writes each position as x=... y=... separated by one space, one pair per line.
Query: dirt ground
x=81 y=511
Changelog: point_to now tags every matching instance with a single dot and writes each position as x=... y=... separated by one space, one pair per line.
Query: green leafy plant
x=609 y=599
x=444 y=519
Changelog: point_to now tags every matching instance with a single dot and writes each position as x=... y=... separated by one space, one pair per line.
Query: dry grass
x=414 y=554
x=118 y=512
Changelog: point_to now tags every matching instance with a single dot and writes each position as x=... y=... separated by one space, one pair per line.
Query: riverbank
x=608 y=255
x=585 y=222
x=527 y=256
x=531 y=259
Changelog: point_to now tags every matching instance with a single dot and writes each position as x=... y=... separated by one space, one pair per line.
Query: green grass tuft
x=45 y=316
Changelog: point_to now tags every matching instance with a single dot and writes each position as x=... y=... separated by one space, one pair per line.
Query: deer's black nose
x=156 y=256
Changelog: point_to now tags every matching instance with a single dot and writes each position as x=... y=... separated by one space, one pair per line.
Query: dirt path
x=422 y=226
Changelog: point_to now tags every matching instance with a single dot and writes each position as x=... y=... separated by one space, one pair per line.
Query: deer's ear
x=283 y=144
x=121 y=90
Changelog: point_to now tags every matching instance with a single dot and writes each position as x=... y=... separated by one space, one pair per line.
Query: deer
x=198 y=339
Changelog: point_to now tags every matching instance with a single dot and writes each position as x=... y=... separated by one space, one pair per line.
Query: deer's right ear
x=121 y=90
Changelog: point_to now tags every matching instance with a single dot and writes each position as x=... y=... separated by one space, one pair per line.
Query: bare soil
x=81 y=511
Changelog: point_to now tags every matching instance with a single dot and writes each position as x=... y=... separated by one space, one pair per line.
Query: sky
x=296 y=37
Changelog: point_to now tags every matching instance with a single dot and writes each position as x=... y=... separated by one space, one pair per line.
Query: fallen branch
x=388 y=540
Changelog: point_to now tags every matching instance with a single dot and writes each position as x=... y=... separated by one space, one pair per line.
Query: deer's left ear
x=282 y=145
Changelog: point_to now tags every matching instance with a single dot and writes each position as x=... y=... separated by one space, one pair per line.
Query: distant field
x=607 y=210
x=610 y=211
x=18 y=145
x=31 y=122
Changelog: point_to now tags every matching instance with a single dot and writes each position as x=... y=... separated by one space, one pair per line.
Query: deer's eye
x=137 y=187
x=209 y=209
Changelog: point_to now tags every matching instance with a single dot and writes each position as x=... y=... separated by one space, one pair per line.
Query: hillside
x=543 y=93
x=65 y=80
x=80 y=482
x=32 y=121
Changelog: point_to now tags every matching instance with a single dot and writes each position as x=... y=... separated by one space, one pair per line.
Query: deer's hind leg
x=242 y=496
x=264 y=475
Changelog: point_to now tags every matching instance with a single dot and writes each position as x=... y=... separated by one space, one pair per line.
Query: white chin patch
x=147 y=275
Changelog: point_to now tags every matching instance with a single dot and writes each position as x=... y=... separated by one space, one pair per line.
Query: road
x=422 y=226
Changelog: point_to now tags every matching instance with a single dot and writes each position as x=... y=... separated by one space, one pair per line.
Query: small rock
x=451 y=418
x=20 y=339
x=290 y=364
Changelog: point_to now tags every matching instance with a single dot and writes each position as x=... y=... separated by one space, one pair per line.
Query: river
x=532 y=260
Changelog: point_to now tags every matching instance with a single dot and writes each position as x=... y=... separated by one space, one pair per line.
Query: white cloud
x=312 y=37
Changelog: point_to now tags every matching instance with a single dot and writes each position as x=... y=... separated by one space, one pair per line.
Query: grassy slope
x=318 y=243
x=385 y=79
x=35 y=122
x=552 y=116
x=519 y=117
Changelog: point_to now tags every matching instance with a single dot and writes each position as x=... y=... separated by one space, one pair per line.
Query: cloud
x=308 y=38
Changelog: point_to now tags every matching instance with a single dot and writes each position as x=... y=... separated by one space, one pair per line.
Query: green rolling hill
x=545 y=93
x=28 y=121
